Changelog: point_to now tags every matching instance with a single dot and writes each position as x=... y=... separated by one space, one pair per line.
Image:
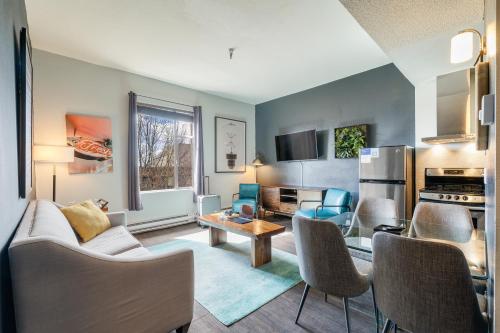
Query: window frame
x=177 y=139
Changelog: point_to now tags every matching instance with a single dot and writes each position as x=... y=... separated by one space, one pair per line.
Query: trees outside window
x=165 y=152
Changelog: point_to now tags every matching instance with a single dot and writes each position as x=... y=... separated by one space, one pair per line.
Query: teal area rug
x=225 y=282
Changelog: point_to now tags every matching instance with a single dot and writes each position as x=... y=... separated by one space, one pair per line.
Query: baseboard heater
x=161 y=223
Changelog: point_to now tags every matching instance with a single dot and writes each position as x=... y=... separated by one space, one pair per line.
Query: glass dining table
x=358 y=232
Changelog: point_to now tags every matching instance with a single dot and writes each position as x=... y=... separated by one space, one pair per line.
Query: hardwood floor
x=279 y=314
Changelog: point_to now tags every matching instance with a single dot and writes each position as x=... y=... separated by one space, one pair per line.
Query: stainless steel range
x=460 y=186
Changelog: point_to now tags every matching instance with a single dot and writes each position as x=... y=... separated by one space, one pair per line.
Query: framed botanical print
x=230 y=145
x=25 y=115
x=349 y=140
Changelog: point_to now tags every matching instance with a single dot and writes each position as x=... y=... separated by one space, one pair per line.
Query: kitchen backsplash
x=446 y=156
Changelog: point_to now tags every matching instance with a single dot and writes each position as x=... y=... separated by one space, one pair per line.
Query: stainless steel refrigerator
x=388 y=172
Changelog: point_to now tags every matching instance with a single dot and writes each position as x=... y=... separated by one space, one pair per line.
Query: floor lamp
x=53 y=155
x=257 y=163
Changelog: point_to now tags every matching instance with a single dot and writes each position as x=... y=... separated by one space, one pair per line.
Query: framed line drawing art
x=230 y=145
x=25 y=115
x=92 y=139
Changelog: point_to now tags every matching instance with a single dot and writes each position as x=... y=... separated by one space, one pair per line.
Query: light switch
x=487 y=112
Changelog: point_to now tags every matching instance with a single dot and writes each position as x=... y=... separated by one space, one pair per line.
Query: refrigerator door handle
x=378 y=181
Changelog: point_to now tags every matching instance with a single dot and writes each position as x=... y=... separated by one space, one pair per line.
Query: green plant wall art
x=349 y=140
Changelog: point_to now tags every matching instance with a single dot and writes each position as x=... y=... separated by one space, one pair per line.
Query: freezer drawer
x=396 y=192
x=384 y=163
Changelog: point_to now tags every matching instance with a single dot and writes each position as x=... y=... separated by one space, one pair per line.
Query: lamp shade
x=462 y=47
x=257 y=162
x=53 y=154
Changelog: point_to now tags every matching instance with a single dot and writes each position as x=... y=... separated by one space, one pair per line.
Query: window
x=165 y=148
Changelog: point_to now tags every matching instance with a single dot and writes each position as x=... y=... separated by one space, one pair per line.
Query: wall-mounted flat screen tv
x=297 y=146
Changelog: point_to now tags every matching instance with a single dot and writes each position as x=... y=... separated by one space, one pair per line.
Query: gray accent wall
x=12 y=18
x=382 y=98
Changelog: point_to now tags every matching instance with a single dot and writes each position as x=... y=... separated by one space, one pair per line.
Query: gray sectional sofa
x=109 y=284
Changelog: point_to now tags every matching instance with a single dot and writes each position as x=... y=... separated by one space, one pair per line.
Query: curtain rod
x=165 y=100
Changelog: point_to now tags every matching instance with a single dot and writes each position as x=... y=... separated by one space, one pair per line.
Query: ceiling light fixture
x=462 y=46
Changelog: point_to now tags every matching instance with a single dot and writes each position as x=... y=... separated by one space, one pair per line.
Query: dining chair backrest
x=442 y=221
x=249 y=191
x=324 y=260
x=424 y=286
x=379 y=207
x=337 y=197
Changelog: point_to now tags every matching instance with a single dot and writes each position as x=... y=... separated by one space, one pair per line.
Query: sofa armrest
x=59 y=288
x=117 y=218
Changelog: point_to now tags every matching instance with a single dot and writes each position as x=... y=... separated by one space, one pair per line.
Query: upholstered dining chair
x=430 y=291
x=325 y=263
x=379 y=207
x=336 y=201
x=452 y=224
x=442 y=221
x=248 y=195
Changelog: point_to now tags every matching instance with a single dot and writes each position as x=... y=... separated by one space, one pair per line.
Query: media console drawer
x=271 y=198
x=287 y=208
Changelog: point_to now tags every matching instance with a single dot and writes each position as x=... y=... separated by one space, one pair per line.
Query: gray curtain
x=134 y=198
x=198 y=173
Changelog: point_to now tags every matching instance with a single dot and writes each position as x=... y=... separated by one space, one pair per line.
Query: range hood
x=455 y=108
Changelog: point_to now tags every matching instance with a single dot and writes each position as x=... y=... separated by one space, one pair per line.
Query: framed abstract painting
x=230 y=145
x=92 y=139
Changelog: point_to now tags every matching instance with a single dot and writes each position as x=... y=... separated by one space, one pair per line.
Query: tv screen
x=297 y=146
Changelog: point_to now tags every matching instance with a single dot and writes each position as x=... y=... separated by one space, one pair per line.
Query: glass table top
x=358 y=232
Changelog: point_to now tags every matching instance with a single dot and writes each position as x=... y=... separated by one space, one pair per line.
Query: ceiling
x=416 y=34
x=281 y=46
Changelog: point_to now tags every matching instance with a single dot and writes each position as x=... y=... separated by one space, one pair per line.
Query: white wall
x=64 y=85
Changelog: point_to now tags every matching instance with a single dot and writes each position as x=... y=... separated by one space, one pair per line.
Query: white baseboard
x=163 y=223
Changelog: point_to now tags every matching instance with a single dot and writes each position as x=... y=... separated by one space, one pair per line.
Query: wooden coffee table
x=259 y=231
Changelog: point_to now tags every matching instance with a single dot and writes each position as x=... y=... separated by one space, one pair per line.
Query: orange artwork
x=91 y=137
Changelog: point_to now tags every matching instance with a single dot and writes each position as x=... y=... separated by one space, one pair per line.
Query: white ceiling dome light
x=462 y=46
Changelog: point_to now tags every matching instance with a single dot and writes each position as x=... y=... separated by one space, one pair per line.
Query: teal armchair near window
x=335 y=202
x=249 y=195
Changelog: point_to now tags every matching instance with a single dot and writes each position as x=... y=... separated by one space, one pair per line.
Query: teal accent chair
x=335 y=202
x=249 y=195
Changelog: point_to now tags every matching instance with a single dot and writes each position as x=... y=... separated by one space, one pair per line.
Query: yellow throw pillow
x=87 y=219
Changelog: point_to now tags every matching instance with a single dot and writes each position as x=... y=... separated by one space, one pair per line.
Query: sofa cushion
x=134 y=253
x=88 y=220
x=49 y=221
x=113 y=241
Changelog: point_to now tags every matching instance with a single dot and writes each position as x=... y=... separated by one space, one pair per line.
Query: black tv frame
x=315 y=142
